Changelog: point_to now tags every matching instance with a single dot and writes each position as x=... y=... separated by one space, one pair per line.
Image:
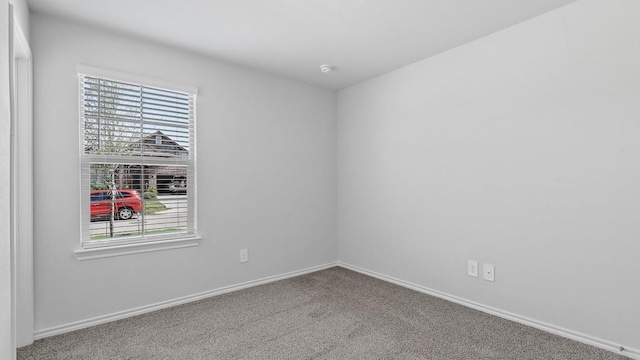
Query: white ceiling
x=292 y=38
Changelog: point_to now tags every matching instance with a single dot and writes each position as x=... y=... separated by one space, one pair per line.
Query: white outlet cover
x=472 y=268
x=489 y=272
x=244 y=255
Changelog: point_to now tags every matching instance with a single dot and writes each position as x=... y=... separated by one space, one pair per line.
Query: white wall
x=266 y=177
x=521 y=150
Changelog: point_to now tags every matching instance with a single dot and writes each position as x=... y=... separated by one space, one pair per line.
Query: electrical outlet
x=489 y=272
x=244 y=255
x=472 y=268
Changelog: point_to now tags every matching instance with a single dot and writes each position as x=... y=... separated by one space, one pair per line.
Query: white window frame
x=132 y=245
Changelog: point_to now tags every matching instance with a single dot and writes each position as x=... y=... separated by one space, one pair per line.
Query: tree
x=112 y=118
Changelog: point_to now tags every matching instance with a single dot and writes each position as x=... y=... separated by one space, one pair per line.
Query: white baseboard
x=77 y=325
x=557 y=330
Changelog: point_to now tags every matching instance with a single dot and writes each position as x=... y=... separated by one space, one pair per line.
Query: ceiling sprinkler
x=326 y=68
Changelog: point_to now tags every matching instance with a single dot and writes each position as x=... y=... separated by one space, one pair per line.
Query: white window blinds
x=121 y=118
x=138 y=162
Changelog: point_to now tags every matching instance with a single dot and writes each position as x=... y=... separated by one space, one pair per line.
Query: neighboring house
x=159 y=177
x=159 y=145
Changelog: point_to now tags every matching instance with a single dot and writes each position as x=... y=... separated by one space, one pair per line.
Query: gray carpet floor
x=330 y=314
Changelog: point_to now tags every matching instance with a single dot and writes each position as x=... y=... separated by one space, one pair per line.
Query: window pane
x=125 y=200
x=127 y=119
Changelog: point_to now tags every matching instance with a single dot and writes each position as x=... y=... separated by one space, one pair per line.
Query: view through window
x=138 y=162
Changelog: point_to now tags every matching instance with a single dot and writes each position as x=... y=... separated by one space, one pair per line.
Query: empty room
x=304 y=179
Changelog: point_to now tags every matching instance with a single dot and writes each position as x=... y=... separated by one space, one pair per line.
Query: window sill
x=128 y=249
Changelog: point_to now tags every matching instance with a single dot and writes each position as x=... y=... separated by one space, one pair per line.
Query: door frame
x=21 y=90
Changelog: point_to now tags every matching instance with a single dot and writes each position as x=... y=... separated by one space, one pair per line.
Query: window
x=136 y=140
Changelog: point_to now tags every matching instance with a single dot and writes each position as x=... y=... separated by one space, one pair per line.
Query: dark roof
x=165 y=147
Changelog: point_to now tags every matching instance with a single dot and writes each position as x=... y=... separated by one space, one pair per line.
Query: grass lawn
x=153 y=206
